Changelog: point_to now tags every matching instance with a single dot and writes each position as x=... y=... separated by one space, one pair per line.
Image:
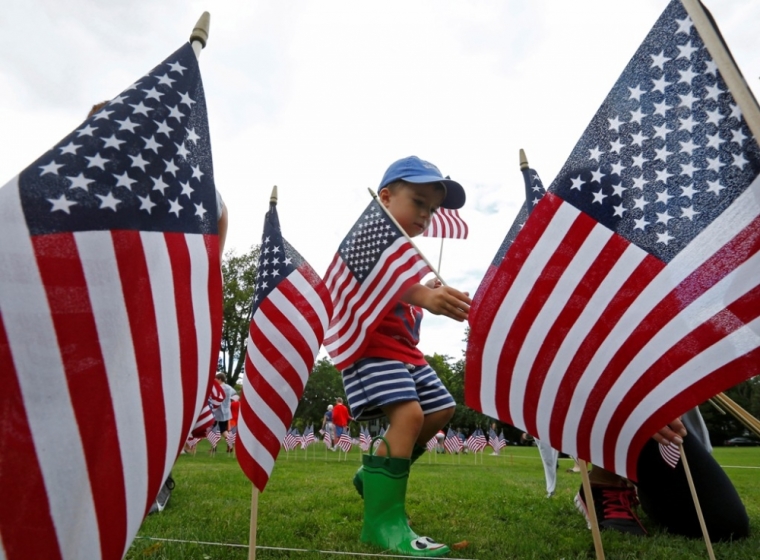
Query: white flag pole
x=427 y=262
x=199 y=36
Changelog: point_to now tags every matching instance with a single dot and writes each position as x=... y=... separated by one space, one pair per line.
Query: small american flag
x=326 y=439
x=206 y=417
x=213 y=436
x=447 y=224
x=291 y=439
x=502 y=441
x=231 y=438
x=345 y=442
x=477 y=441
x=431 y=444
x=493 y=440
x=192 y=442
x=670 y=453
x=374 y=264
x=308 y=437
x=632 y=293
x=291 y=310
x=364 y=439
x=452 y=443
x=110 y=315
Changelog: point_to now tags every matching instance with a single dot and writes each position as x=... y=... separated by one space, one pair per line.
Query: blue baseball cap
x=415 y=170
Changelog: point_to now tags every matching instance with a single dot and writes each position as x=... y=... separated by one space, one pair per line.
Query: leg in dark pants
x=666 y=499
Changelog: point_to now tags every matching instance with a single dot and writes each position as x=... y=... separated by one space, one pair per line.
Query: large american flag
x=110 y=316
x=374 y=265
x=446 y=223
x=291 y=310
x=631 y=293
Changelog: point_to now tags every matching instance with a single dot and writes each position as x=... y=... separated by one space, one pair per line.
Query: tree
x=239 y=284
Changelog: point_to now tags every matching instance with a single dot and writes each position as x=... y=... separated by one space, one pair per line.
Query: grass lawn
x=499 y=507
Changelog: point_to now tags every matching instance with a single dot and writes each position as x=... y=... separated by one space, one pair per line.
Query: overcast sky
x=319 y=97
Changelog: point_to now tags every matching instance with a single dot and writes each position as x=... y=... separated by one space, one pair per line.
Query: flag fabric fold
x=373 y=266
x=447 y=224
x=631 y=293
x=110 y=315
x=291 y=310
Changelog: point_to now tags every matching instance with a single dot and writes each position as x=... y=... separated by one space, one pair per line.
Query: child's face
x=412 y=205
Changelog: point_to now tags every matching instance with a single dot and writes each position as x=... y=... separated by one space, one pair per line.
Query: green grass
x=498 y=506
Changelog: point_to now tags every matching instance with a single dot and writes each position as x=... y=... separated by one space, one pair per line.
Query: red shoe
x=614 y=507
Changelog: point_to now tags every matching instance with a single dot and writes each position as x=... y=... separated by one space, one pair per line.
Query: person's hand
x=447 y=301
x=673 y=432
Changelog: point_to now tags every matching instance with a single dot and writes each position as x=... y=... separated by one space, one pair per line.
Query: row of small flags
x=475 y=442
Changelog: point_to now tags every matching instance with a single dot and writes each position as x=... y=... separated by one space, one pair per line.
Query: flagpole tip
x=200 y=32
x=373 y=193
x=273 y=197
x=523 y=160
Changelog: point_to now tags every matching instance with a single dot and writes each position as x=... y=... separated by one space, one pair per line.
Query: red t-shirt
x=340 y=415
x=397 y=335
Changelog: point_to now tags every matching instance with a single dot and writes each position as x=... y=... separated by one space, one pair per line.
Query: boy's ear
x=385 y=196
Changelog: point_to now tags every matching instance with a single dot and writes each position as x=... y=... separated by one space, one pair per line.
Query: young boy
x=392 y=377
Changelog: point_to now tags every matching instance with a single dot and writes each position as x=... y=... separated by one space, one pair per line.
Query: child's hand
x=673 y=432
x=443 y=300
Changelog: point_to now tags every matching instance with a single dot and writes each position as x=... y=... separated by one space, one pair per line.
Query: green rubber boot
x=417 y=452
x=385 y=525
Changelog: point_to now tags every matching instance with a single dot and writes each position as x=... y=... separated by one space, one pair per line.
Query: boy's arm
x=442 y=300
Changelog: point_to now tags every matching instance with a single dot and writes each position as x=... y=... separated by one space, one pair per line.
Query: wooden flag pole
x=254 y=522
x=591 y=510
x=440 y=256
x=702 y=524
x=749 y=421
x=409 y=239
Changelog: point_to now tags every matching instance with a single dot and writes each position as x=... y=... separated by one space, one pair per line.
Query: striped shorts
x=373 y=383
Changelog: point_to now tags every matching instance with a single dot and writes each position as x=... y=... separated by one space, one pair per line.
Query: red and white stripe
x=670 y=453
x=213 y=437
x=107 y=340
x=345 y=442
x=592 y=344
x=359 y=307
x=206 y=417
x=285 y=335
x=447 y=224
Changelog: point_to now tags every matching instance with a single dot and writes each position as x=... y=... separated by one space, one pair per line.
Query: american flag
x=290 y=440
x=231 y=437
x=364 y=439
x=308 y=437
x=447 y=223
x=493 y=440
x=345 y=442
x=431 y=444
x=670 y=453
x=452 y=443
x=206 y=417
x=631 y=294
x=477 y=441
x=534 y=191
x=192 y=442
x=502 y=441
x=326 y=438
x=110 y=315
x=374 y=264
x=213 y=436
x=291 y=310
